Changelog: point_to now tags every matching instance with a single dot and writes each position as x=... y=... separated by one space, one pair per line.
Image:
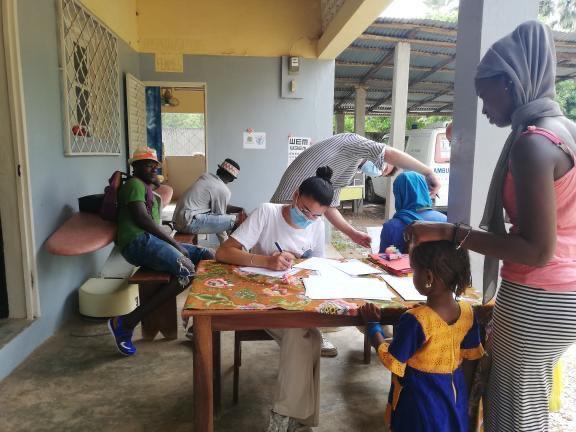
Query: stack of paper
x=351 y=267
x=356 y=268
x=270 y=273
x=316 y=263
x=404 y=286
x=321 y=287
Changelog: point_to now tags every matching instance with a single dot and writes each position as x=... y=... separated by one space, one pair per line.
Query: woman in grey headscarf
x=535 y=182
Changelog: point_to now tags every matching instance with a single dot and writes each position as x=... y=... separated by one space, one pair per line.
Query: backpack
x=109 y=209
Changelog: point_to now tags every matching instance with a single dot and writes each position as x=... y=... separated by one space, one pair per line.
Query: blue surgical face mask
x=370 y=169
x=298 y=218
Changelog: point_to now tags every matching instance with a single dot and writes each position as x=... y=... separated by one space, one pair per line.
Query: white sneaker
x=328 y=348
x=278 y=422
x=295 y=426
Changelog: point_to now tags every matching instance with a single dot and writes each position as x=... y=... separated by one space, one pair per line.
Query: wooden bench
x=163 y=319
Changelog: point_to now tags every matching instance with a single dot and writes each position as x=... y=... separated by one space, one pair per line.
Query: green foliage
x=381 y=124
x=183 y=120
x=559 y=14
x=442 y=10
x=377 y=124
x=348 y=123
x=425 y=121
x=566 y=97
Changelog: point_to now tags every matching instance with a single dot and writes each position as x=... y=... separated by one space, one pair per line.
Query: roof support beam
x=430 y=99
x=417 y=80
x=398 y=116
x=385 y=66
x=414 y=50
x=420 y=27
x=390 y=39
x=360 y=110
x=349 y=22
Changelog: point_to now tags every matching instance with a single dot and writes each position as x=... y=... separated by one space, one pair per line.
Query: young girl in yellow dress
x=428 y=391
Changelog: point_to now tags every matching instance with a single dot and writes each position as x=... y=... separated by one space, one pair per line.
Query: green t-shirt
x=133 y=190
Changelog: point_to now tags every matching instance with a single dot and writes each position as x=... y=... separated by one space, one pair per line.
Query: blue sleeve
x=392 y=234
x=408 y=338
x=471 y=347
x=472 y=338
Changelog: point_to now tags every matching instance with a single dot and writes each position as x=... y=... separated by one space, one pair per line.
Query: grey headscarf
x=527 y=56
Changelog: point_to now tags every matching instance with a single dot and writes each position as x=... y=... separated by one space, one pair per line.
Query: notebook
x=398 y=267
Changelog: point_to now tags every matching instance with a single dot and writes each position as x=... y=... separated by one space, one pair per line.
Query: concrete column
x=476 y=144
x=339 y=122
x=360 y=110
x=399 y=107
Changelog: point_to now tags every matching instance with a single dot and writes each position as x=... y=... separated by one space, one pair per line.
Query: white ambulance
x=431 y=147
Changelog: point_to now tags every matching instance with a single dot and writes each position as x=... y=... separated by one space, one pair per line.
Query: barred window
x=90 y=82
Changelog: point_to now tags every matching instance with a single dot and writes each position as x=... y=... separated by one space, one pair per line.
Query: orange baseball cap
x=144 y=153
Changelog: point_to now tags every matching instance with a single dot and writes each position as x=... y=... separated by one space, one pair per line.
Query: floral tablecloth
x=223 y=286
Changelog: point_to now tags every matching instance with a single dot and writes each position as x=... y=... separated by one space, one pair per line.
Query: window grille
x=90 y=82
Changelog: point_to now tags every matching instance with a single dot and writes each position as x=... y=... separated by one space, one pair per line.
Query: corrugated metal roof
x=432 y=43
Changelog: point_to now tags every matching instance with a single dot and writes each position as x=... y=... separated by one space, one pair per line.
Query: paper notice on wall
x=297 y=145
x=254 y=140
x=168 y=62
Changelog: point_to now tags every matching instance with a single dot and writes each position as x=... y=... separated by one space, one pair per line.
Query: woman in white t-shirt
x=298 y=229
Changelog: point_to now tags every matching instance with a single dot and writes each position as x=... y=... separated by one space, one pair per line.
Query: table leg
x=203 y=375
x=217 y=371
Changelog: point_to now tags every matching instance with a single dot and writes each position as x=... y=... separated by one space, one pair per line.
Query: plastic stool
x=102 y=298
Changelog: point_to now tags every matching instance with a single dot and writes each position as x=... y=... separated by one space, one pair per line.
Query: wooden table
x=208 y=322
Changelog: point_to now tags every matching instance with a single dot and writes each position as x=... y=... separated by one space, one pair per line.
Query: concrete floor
x=77 y=381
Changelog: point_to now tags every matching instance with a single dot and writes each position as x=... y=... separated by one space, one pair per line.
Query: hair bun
x=325 y=173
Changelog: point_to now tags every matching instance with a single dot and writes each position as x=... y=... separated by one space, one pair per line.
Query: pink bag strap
x=544 y=132
x=552 y=137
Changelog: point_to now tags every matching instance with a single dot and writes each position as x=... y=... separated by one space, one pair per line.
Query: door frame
x=21 y=160
x=190 y=84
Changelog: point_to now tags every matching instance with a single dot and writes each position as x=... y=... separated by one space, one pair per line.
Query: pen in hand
x=278 y=247
x=282 y=251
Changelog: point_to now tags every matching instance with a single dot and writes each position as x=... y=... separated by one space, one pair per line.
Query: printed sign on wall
x=297 y=145
x=254 y=140
x=166 y=62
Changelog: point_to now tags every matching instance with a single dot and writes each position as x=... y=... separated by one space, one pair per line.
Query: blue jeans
x=149 y=251
x=209 y=223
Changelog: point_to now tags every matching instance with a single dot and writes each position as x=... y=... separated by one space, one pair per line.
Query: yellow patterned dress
x=428 y=391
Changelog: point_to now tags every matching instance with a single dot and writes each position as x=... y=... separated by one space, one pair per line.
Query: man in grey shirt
x=204 y=208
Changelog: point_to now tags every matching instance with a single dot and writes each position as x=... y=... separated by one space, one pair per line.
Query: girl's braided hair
x=445 y=262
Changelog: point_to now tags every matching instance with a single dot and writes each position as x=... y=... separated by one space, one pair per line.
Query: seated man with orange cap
x=142 y=242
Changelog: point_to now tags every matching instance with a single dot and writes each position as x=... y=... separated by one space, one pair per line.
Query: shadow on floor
x=77 y=381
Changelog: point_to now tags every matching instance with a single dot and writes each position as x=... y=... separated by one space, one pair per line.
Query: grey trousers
x=298 y=387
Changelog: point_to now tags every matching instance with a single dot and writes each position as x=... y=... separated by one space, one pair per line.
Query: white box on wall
x=289 y=82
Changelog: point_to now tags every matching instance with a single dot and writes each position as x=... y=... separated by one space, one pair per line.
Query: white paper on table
x=322 y=287
x=404 y=286
x=267 y=272
x=356 y=268
x=374 y=233
x=325 y=267
x=316 y=263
